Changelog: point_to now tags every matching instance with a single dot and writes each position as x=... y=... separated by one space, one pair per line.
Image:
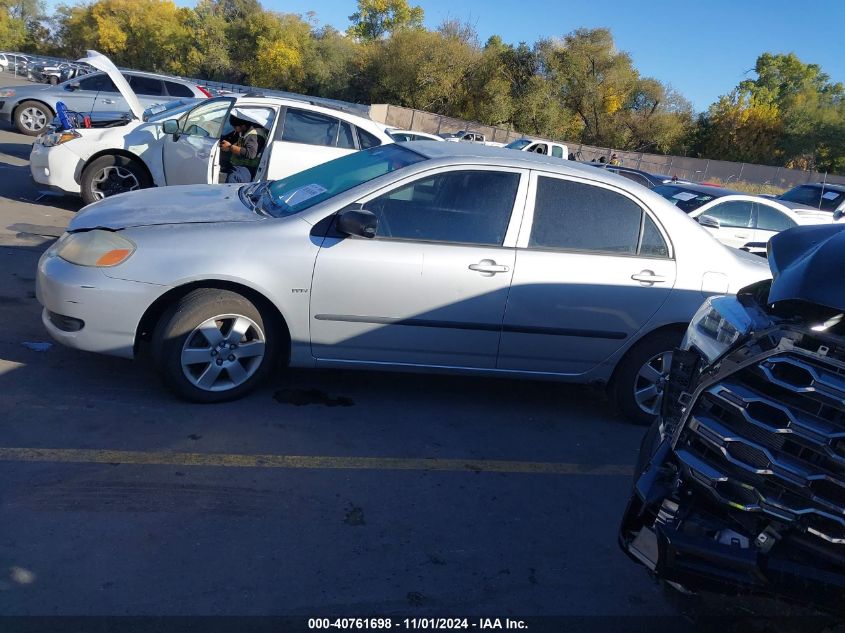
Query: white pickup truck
x=469 y=137
x=548 y=148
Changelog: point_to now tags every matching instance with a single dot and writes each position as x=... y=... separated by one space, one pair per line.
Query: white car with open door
x=181 y=145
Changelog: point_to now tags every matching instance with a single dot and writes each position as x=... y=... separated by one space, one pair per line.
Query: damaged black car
x=740 y=485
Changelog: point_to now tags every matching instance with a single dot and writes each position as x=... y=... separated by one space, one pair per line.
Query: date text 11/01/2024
x=434 y=624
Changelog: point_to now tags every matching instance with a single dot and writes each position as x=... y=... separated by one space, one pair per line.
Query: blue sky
x=702 y=49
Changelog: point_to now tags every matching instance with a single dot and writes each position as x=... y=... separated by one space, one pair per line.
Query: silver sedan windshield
x=305 y=189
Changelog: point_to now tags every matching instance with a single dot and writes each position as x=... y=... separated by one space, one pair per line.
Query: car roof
x=504 y=156
x=826 y=185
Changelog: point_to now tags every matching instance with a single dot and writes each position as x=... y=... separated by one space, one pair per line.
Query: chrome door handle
x=108 y=100
x=648 y=277
x=488 y=267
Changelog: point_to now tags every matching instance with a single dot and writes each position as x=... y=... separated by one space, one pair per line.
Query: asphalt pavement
x=325 y=493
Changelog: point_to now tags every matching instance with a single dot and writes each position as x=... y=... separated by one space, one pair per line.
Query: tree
x=595 y=81
x=12 y=27
x=376 y=18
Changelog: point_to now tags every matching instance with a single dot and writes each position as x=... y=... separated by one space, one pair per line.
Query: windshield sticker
x=298 y=196
x=684 y=196
x=831 y=195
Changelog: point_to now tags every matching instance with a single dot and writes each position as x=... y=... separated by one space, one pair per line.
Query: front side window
x=207 y=120
x=310 y=128
x=574 y=216
x=465 y=207
x=769 y=219
x=733 y=214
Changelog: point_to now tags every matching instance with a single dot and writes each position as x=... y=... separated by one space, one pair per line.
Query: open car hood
x=807 y=264
x=101 y=62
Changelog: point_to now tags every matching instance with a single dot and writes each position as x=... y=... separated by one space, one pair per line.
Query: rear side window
x=769 y=219
x=574 y=216
x=367 y=140
x=145 y=85
x=311 y=128
x=178 y=90
x=653 y=244
x=346 y=138
x=100 y=83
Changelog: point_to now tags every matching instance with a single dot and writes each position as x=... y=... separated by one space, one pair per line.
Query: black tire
x=53 y=80
x=627 y=373
x=121 y=174
x=32 y=118
x=176 y=331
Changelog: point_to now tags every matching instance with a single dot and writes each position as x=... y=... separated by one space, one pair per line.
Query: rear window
x=820 y=197
x=178 y=90
x=686 y=200
x=147 y=86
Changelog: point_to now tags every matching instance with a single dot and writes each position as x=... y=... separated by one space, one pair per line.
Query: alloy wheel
x=223 y=352
x=650 y=381
x=113 y=180
x=33 y=119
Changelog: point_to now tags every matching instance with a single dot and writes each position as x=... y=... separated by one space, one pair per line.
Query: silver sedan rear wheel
x=223 y=352
x=650 y=382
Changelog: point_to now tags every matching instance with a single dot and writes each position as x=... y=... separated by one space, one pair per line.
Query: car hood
x=806 y=263
x=188 y=204
x=101 y=62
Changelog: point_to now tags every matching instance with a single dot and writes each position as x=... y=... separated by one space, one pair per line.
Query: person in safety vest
x=244 y=145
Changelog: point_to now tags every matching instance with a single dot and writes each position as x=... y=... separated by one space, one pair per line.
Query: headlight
x=57 y=138
x=94 y=248
x=7 y=92
x=719 y=323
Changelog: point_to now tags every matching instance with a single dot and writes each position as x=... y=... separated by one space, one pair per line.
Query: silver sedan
x=446 y=257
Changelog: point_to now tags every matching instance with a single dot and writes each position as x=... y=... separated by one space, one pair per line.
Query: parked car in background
x=500 y=263
x=643 y=178
x=737 y=219
x=182 y=145
x=403 y=136
x=31 y=108
x=548 y=148
x=822 y=196
x=463 y=135
x=4 y=62
x=739 y=484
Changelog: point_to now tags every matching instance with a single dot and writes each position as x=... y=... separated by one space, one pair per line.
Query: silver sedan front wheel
x=223 y=352
x=213 y=345
x=31 y=118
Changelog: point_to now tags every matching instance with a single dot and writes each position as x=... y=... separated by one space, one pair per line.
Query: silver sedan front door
x=431 y=287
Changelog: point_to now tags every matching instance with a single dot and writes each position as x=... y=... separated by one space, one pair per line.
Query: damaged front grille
x=769 y=437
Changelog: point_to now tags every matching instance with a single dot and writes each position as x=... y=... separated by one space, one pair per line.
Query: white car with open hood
x=181 y=145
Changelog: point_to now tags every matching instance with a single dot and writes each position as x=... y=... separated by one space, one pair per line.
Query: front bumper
x=110 y=309
x=56 y=168
x=719 y=520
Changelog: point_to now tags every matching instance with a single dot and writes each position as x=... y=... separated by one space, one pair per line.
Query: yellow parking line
x=157 y=458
